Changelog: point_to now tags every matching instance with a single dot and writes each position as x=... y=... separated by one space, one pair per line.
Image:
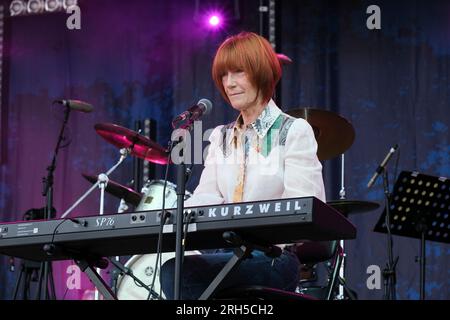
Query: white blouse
x=274 y=157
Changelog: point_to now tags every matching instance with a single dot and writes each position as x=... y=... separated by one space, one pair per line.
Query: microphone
x=382 y=166
x=76 y=105
x=203 y=107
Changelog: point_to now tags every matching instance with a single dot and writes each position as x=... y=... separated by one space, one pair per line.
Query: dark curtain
x=151 y=59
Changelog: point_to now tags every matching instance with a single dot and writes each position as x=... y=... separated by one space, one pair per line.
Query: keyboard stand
x=89 y=269
x=241 y=252
x=87 y=264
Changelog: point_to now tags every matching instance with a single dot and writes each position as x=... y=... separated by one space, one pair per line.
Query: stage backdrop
x=151 y=59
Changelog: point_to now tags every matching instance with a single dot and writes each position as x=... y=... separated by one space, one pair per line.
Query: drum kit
x=150 y=197
x=334 y=135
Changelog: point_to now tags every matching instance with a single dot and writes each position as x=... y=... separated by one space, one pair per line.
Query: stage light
x=214 y=20
x=17 y=7
x=23 y=7
x=35 y=6
x=68 y=3
x=52 y=5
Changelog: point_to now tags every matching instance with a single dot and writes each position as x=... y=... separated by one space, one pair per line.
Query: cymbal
x=141 y=147
x=116 y=189
x=334 y=134
x=347 y=207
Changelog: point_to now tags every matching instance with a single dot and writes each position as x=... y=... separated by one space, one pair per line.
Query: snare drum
x=152 y=198
x=143 y=267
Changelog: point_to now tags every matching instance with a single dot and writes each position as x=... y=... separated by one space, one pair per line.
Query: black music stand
x=420 y=208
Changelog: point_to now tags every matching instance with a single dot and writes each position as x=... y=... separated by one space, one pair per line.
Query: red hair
x=252 y=54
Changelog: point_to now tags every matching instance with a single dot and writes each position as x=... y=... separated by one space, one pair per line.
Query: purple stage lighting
x=214 y=20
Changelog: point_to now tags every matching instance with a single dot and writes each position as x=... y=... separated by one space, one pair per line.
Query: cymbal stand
x=123 y=206
x=102 y=181
x=342 y=196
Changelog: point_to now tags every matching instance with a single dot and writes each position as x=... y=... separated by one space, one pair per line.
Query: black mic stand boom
x=46 y=268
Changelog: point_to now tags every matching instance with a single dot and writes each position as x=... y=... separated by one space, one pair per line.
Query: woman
x=265 y=154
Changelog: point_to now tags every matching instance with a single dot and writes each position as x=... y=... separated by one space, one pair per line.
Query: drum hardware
x=126 y=195
x=138 y=145
x=143 y=267
x=325 y=124
x=352 y=207
x=102 y=182
x=128 y=272
x=151 y=196
x=342 y=195
x=117 y=190
x=150 y=202
x=144 y=148
x=347 y=207
x=334 y=134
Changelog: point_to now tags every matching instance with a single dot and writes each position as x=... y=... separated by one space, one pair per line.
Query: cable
x=158 y=263
x=49 y=250
x=56 y=229
x=51 y=245
x=186 y=227
x=161 y=226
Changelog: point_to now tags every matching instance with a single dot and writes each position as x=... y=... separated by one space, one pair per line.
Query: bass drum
x=152 y=198
x=143 y=268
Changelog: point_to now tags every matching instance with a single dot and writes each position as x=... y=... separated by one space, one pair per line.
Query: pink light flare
x=214 y=20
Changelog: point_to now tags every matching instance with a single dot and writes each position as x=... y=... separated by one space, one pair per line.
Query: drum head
x=143 y=268
x=152 y=198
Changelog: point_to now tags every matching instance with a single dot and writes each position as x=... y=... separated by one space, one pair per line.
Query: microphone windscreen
x=206 y=104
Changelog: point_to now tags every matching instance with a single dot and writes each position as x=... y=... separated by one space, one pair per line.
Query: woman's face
x=241 y=93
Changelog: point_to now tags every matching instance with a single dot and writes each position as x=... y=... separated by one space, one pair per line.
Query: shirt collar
x=264 y=121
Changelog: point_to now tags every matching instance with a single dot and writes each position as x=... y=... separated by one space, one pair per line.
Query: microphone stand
x=389 y=272
x=181 y=191
x=48 y=193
